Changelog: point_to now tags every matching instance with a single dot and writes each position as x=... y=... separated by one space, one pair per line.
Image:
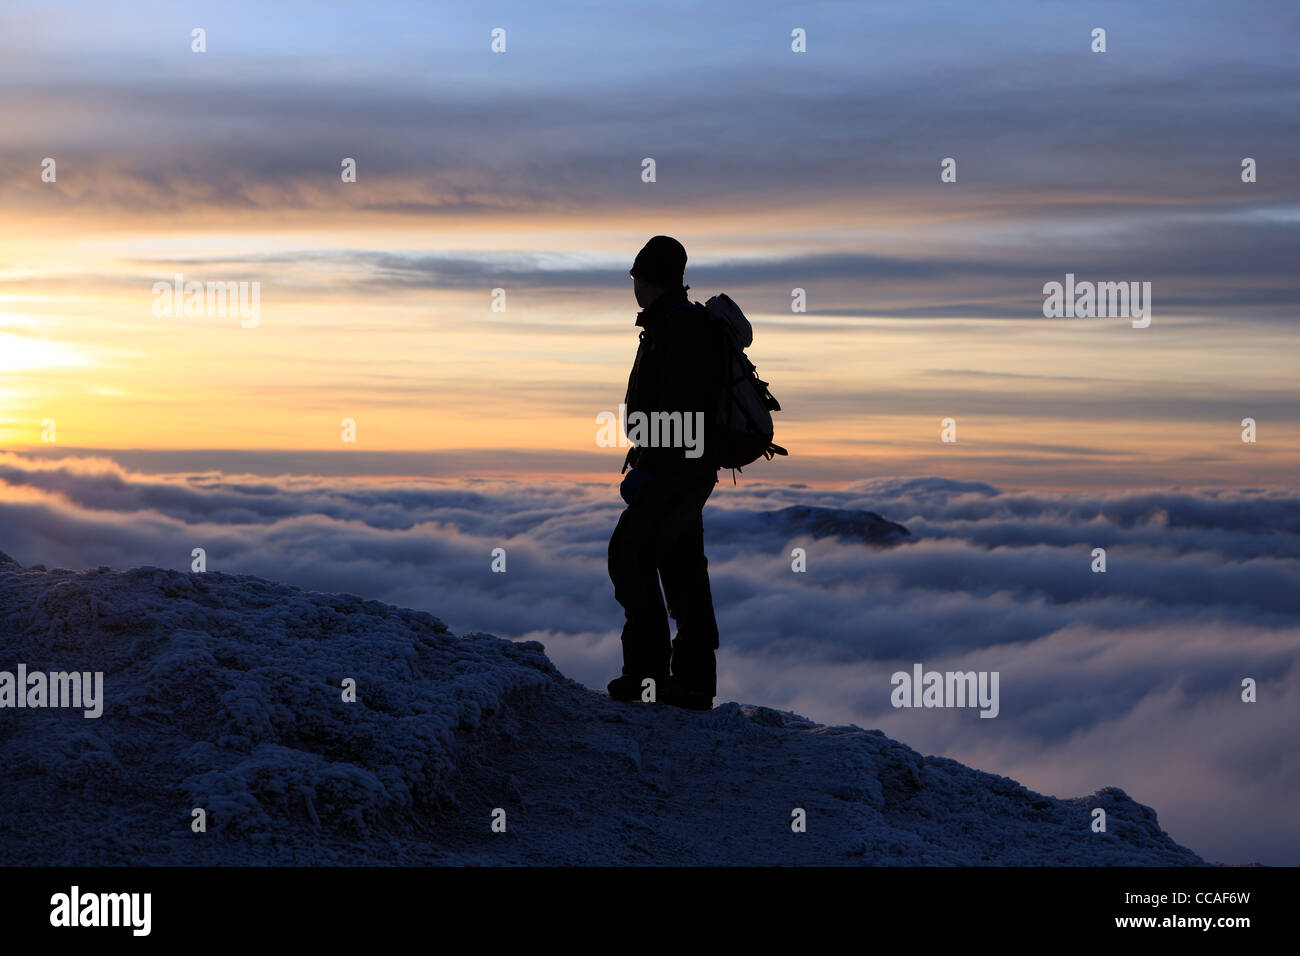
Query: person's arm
x=686 y=379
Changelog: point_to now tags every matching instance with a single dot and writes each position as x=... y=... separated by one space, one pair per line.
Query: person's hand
x=634 y=483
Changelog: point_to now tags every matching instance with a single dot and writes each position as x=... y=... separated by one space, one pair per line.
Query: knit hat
x=661 y=262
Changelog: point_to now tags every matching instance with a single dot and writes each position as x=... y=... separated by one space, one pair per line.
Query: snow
x=225 y=692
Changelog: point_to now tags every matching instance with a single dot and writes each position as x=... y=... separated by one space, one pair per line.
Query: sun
x=23 y=353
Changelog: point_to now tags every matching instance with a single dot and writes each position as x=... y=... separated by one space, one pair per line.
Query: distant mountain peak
x=846 y=523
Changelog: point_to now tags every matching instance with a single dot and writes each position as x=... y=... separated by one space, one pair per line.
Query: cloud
x=1100 y=673
x=850 y=141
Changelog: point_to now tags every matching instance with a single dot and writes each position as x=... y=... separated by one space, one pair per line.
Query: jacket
x=676 y=370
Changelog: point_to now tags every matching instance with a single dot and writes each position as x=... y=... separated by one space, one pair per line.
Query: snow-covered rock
x=850 y=524
x=227 y=693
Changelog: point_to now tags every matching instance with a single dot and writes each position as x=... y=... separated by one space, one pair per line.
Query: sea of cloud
x=1131 y=678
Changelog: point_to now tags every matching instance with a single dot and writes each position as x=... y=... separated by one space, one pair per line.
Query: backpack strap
x=679 y=305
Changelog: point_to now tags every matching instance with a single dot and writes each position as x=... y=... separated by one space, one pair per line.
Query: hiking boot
x=679 y=696
x=628 y=688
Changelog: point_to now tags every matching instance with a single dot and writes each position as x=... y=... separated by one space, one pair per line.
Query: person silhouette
x=659 y=538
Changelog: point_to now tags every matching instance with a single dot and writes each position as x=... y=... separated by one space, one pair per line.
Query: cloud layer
x=1096 y=163
x=1130 y=678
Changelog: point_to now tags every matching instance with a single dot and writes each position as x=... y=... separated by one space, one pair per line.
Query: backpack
x=742 y=427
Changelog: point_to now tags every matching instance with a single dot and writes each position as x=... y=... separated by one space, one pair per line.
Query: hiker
x=660 y=535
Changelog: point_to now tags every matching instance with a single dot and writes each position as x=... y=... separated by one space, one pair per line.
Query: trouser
x=660 y=539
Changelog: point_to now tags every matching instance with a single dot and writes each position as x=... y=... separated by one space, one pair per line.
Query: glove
x=634 y=483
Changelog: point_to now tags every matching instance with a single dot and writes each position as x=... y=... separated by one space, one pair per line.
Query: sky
x=778 y=170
